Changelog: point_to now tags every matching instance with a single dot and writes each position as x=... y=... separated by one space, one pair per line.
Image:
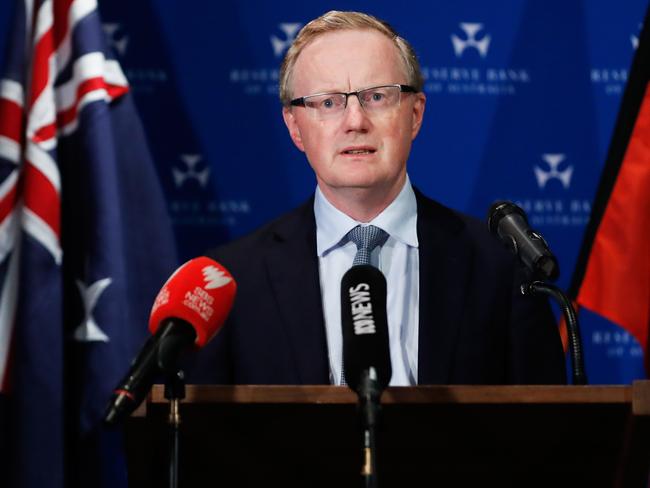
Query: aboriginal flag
x=612 y=276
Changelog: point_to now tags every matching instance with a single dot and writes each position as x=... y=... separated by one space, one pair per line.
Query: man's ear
x=418 y=113
x=292 y=126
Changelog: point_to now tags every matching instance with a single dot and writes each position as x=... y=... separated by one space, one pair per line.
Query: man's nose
x=355 y=116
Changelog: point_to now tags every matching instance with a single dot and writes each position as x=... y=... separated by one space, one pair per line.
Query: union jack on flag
x=85 y=240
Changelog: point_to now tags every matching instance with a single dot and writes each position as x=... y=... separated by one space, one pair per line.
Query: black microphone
x=366 y=353
x=508 y=222
x=159 y=354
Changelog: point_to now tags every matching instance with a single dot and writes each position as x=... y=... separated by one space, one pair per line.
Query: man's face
x=355 y=149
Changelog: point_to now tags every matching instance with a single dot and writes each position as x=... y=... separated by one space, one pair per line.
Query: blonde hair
x=336 y=21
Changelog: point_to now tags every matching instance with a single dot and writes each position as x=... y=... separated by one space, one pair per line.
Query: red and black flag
x=612 y=276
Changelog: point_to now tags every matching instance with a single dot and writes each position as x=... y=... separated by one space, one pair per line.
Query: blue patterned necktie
x=366 y=238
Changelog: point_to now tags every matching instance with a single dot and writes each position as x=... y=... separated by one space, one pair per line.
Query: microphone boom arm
x=571 y=319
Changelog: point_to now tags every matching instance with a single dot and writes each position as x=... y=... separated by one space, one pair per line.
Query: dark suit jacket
x=474 y=325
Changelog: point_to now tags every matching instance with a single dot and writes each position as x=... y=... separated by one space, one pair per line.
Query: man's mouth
x=359 y=150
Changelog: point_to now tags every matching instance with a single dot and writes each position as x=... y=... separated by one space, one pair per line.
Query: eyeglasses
x=374 y=100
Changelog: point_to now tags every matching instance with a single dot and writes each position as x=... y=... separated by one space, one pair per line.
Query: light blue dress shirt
x=398 y=259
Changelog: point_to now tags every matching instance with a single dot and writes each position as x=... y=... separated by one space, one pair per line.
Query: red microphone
x=200 y=292
x=189 y=310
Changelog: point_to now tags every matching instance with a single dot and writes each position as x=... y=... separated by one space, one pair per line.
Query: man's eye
x=327 y=103
x=375 y=98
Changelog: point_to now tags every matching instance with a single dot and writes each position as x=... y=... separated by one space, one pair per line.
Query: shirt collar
x=399 y=220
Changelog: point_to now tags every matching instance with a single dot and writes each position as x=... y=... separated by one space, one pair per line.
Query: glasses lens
x=330 y=104
x=373 y=100
x=379 y=98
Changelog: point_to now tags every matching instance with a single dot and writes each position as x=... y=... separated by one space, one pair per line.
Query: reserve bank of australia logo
x=634 y=38
x=190 y=172
x=553 y=161
x=471 y=39
x=116 y=38
x=280 y=45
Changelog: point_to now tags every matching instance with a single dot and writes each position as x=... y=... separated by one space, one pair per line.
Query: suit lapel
x=445 y=257
x=292 y=265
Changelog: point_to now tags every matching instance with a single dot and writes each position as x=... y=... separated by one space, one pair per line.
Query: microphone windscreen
x=501 y=209
x=365 y=325
x=200 y=292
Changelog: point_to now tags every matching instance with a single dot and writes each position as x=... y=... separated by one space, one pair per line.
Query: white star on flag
x=88 y=330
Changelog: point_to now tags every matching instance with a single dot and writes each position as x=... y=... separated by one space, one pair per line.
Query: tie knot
x=366 y=238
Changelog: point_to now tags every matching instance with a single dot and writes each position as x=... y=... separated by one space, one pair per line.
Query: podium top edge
x=479 y=395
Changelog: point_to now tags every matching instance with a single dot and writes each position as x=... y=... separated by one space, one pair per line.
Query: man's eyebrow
x=325 y=90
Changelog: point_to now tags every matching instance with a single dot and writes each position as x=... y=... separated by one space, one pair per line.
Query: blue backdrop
x=522 y=100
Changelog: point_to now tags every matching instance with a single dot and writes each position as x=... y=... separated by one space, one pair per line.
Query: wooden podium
x=447 y=436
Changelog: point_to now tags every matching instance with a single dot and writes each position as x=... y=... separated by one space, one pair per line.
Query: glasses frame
x=300 y=102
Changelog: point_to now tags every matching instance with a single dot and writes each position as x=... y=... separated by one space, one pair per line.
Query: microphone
x=508 y=222
x=189 y=310
x=366 y=353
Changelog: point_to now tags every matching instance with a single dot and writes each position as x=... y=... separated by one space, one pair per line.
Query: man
x=352 y=99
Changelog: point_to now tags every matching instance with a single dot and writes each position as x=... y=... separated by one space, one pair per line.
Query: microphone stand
x=369 y=393
x=174 y=392
x=571 y=319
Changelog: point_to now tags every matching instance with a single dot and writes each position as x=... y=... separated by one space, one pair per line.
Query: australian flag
x=85 y=244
